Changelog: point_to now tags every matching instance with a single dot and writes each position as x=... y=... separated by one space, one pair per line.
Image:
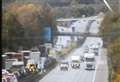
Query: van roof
x=10 y=53
x=89 y=55
x=18 y=63
x=31 y=61
x=25 y=51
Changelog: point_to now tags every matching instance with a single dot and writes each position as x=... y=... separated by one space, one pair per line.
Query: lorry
x=75 y=61
x=14 y=55
x=18 y=68
x=26 y=55
x=89 y=61
x=35 y=55
x=15 y=63
x=4 y=57
x=31 y=56
x=86 y=50
x=9 y=62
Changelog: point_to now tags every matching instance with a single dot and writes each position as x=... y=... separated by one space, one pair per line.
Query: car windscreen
x=26 y=54
x=90 y=59
x=75 y=61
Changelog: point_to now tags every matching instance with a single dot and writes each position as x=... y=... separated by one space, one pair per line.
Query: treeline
x=111 y=34
x=67 y=8
x=68 y=12
x=22 y=25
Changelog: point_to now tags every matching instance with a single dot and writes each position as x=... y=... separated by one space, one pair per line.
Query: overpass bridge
x=77 y=34
x=69 y=21
x=85 y=34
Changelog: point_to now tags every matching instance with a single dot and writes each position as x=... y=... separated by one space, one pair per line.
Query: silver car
x=64 y=66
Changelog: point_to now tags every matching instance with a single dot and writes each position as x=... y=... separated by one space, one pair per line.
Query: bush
x=23 y=24
x=117 y=77
x=110 y=30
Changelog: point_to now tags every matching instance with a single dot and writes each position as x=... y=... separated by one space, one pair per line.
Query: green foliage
x=114 y=53
x=110 y=30
x=22 y=25
x=9 y=31
x=88 y=11
x=117 y=77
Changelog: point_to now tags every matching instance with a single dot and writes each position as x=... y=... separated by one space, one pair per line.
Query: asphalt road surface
x=81 y=75
x=100 y=74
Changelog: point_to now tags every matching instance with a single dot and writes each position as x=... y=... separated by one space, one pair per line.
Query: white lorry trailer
x=35 y=55
x=89 y=61
x=75 y=61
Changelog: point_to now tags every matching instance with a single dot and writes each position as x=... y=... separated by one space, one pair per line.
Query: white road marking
x=97 y=64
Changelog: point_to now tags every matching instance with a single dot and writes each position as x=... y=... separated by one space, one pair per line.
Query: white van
x=75 y=61
x=89 y=61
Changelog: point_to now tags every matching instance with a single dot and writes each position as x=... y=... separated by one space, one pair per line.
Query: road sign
x=47 y=34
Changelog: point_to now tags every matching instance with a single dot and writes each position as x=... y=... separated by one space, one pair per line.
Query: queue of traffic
x=88 y=57
x=17 y=65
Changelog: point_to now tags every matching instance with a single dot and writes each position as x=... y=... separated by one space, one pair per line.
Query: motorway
x=80 y=75
x=100 y=74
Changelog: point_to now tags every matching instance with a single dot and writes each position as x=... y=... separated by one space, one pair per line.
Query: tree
x=10 y=31
x=24 y=24
x=110 y=30
x=111 y=26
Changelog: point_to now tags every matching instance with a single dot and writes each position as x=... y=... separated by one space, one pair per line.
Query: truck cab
x=89 y=61
x=75 y=61
x=18 y=68
x=26 y=54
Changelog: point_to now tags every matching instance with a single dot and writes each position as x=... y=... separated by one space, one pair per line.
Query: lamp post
x=108 y=6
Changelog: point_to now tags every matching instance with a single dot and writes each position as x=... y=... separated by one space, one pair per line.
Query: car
x=86 y=49
x=8 y=77
x=95 y=49
x=64 y=66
